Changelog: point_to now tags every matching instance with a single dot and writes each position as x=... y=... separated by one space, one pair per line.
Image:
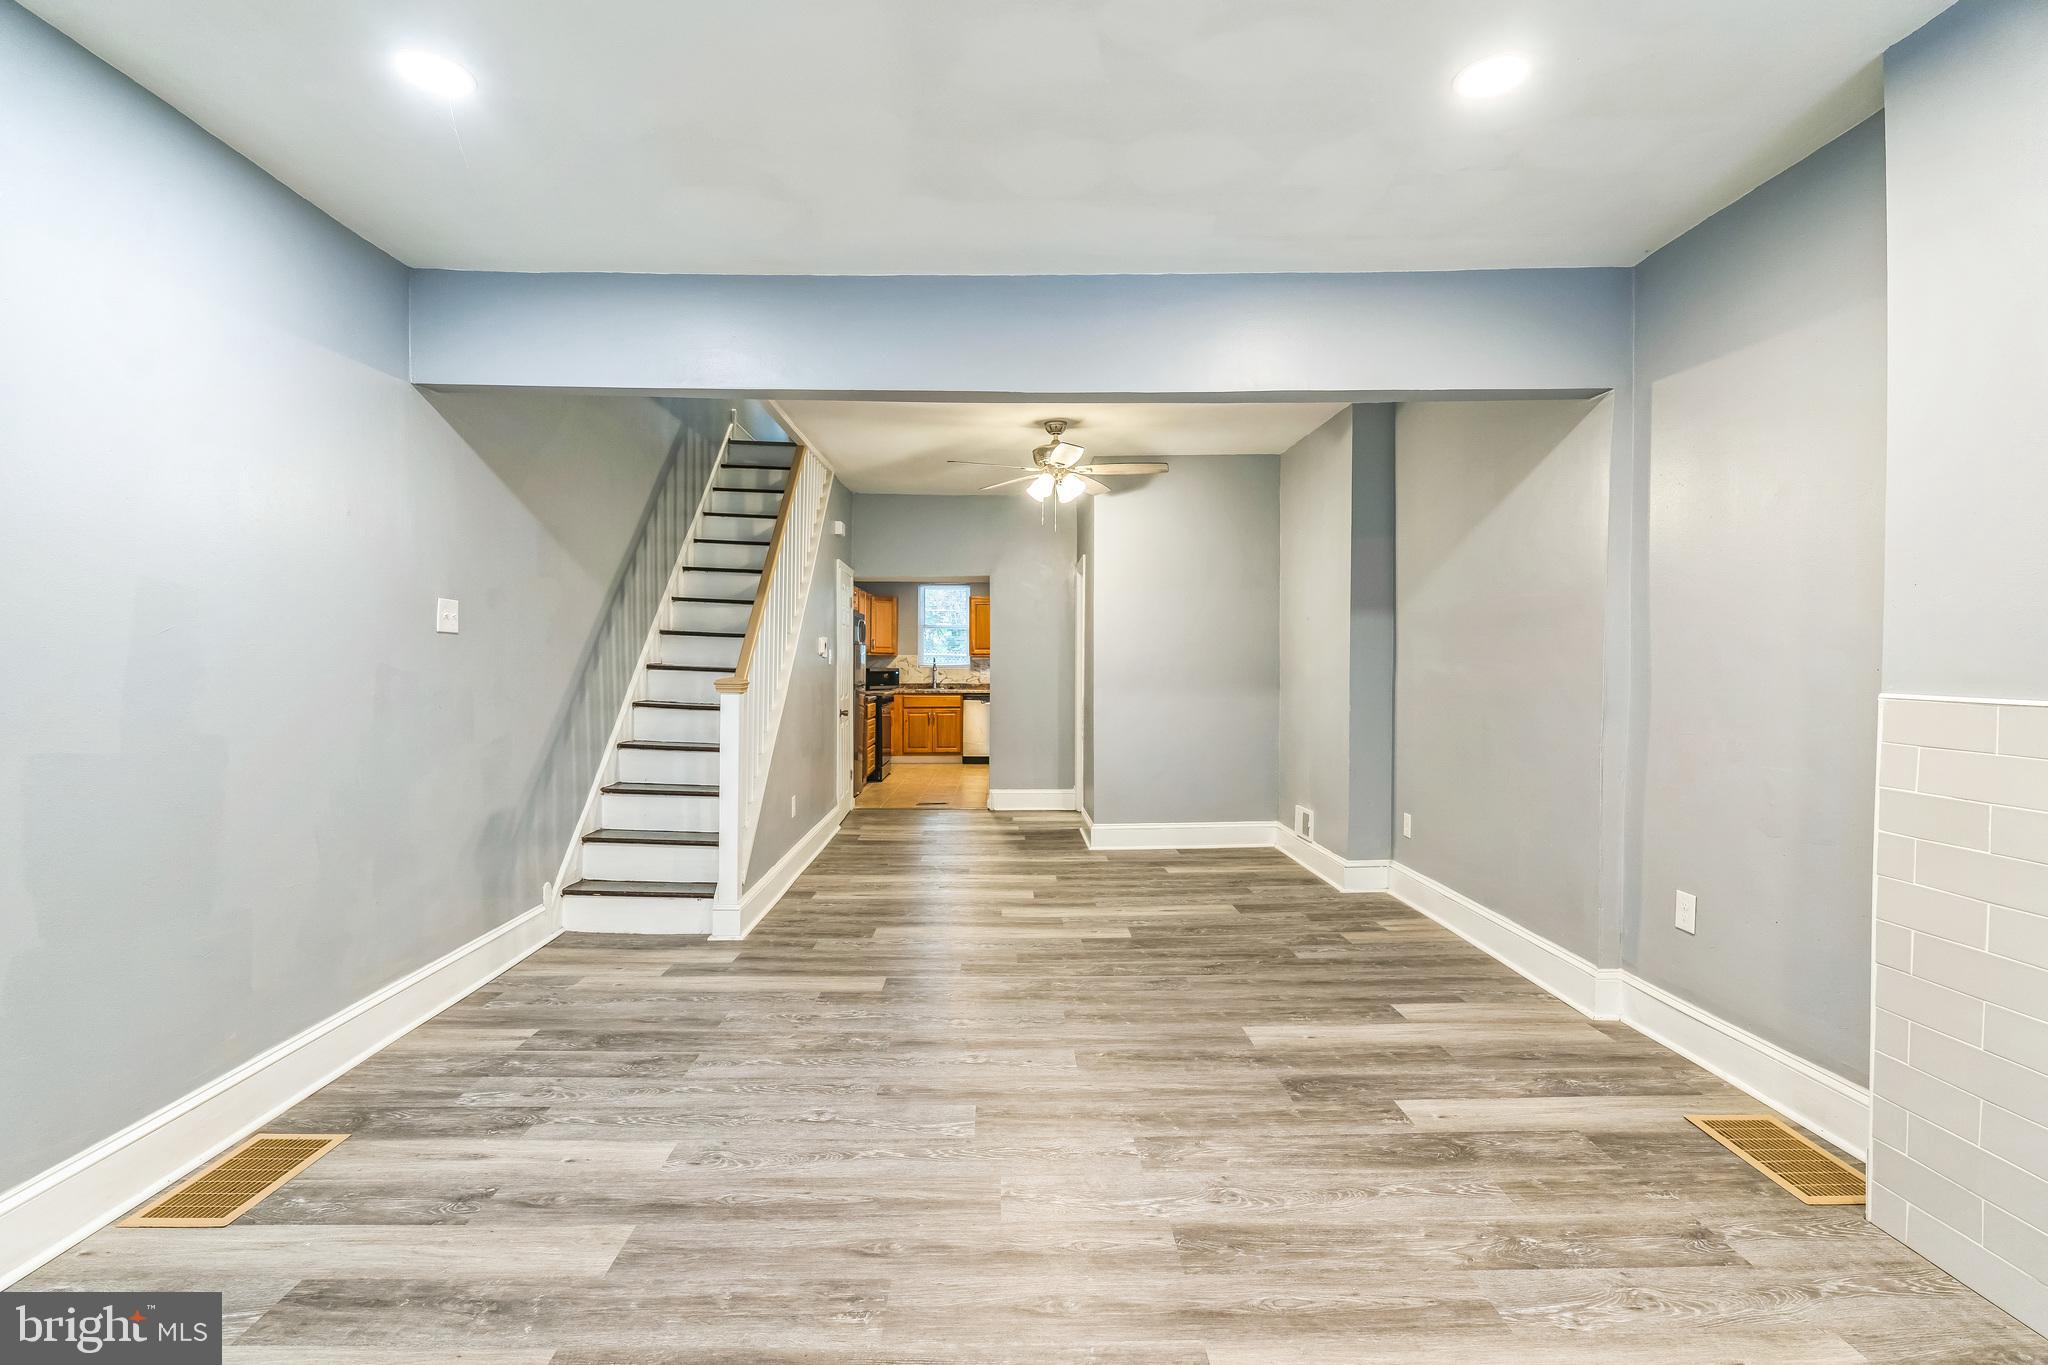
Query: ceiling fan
x=1056 y=469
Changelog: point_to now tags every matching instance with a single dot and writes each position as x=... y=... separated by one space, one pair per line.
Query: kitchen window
x=942 y=625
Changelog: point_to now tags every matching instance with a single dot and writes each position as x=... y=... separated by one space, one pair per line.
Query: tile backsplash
x=915 y=672
x=1959 y=1075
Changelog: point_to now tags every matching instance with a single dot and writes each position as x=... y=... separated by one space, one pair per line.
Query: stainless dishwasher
x=974 y=727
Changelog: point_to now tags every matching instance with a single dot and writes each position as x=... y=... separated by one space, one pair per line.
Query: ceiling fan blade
x=989 y=464
x=1099 y=469
x=1092 y=485
x=1022 y=478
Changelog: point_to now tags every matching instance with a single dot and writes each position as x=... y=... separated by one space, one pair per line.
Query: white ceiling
x=903 y=447
x=1085 y=136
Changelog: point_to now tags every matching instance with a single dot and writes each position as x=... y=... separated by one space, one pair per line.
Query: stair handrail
x=750 y=701
x=737 y=681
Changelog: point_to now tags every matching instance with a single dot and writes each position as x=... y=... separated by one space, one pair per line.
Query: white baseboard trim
x=729 y=923
x=76 y=1198
x=1836 y=1108
x=1032 y=798
x=1558 y=970
x=1812 y=1096
x=1346 y=874
x=1215 y=834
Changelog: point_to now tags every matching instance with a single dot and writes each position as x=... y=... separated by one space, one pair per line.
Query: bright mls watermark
x=170 y=1328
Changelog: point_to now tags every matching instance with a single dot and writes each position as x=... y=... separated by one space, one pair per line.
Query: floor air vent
x=230 y=1187
x=1781 y=1153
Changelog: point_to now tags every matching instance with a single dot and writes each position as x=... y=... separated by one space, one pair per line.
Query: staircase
x=648 y=859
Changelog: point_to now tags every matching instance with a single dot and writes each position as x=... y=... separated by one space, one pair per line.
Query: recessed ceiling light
x=435 y=75
x=1496 y=75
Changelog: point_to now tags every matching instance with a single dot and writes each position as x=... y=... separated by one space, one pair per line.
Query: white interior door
x=1080 y=682
x=842 y=616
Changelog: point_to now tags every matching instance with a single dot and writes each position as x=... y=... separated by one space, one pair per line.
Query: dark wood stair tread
x=710 y=634
x=692 y=838
x=714 y=568
x=691 y=890
x=757 y=441
x=661 y=789
x=750 y=516
x=669 y=745
x=721 y=540
x=693 y=668
x=764 y=492
x=679 y=705
x=722 y=601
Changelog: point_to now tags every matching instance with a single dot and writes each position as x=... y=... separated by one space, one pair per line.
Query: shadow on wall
x=539 y=828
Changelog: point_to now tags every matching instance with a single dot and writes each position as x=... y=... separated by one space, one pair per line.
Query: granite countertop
x=926 y=690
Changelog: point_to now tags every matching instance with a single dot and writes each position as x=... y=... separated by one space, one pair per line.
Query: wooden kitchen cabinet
x=977 y=626
x=881 y=626
x=927 y=724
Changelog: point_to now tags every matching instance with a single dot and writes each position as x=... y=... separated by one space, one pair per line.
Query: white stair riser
x=667 y=765
x=726 y=500
x=717 y=527
x=705 y=555
x=686 y=727
x=608 y=862
x=626 y=810
x=709 y=615
x=665 y=684
x=765 y=480
x=708 y=582
x=697 y=649
x=636 y=914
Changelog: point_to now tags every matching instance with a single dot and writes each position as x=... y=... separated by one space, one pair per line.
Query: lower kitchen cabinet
x=927 y=724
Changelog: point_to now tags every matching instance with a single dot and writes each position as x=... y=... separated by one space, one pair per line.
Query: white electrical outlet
x=1305 y=823
x=838 y=528
x=447 y=616
x=792 y=803
x=1688 y=909
x=1407 y=825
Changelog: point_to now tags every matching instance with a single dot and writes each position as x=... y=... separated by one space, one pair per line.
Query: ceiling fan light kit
x=1056 y=472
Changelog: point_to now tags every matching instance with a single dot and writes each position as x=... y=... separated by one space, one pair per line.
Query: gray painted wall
x=1314 y=625
x=1030 y=570
x=805 y=763
x=1186 y=572
x=242 y=781
x=1966 y=564
x=1760 y=392
x=1500 y=537
x=1372 y=660
x=1108 y=335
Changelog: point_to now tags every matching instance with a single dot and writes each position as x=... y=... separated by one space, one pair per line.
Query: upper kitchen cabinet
x=977 y=627
x=881 y=626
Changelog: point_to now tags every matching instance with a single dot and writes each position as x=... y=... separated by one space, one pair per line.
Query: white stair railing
x=750 y=700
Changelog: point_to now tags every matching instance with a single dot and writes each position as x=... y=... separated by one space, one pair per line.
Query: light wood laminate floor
x=974 y=1093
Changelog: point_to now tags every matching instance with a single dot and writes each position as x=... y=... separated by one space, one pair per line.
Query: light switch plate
x=1688 y=912
x=838 y=528
x=447 y=616
x=1407 y=825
